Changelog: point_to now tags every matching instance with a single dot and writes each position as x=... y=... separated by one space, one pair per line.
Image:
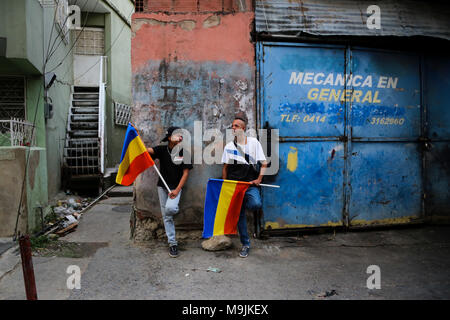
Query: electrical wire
x=51 y=52
x=73 y=45
x=65 y=34
x=36 y=109
x=107 y=51
x=26 y=164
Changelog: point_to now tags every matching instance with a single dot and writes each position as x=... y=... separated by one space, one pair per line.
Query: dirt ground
x=414 y=263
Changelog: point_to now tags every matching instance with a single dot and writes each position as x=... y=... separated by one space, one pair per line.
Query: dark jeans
x=252 y=201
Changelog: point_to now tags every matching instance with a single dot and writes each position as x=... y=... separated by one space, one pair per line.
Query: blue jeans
x=252 y=201
x=169 y=208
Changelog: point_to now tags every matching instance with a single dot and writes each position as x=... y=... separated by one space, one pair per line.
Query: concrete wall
x=21 y=24
x=118 y=42
x=28 y=27
x=191 y=61
x=59 y=93
x=12 y=167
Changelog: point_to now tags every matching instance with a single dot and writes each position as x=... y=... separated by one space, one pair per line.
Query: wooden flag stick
x=269 y=185
x=154 y=165
x=164 y=181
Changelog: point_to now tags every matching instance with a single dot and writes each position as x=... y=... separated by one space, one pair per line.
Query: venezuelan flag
x=222 y=206
x=134 y=159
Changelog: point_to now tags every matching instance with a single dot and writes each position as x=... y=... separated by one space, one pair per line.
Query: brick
x=185 y=5
x=210 y=5
x=159 y=5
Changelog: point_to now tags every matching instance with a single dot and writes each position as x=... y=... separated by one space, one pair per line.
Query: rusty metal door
x=349 y=121
x=311 y=131
x=437 y=143
x=385 y=158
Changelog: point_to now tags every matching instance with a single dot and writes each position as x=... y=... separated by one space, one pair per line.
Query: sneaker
x=244 y=252
x=173 y=251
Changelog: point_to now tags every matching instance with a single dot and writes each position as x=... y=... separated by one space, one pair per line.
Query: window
x=12 y=98
x=91 y=41
x=139 y=6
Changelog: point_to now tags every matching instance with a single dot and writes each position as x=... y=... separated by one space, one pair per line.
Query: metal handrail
x=18 y=131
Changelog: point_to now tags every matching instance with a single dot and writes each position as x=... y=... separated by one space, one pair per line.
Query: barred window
x=91 y=41
x=139 y=6
x=12 y=98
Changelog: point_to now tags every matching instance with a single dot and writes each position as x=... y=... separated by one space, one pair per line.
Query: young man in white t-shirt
x=240 y=158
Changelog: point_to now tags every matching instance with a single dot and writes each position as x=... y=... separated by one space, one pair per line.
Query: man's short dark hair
x=241 y=116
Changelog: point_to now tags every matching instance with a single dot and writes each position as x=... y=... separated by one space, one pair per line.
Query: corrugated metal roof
x=347 y=17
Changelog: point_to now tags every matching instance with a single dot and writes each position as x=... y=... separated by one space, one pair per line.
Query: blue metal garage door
x=349 y=121
x=437 y=164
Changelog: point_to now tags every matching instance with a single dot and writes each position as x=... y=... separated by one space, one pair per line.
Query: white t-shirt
x=253 y=148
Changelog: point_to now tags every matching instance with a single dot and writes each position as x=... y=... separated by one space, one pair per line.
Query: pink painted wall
x=190 y=37
x=202 y=50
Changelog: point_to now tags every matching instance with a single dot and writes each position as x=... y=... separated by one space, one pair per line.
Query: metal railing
x=101 y=111
x=17 y=132
x=123 y=113
x=82 y=158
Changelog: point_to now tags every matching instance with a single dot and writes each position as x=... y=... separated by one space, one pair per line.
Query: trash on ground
x=327 y=294
x=211 y=269
x=67 y=229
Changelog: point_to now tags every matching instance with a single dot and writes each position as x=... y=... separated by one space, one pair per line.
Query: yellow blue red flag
x=223 y=204
x=135 y=158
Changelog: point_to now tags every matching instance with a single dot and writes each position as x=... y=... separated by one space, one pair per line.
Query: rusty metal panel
x=311 y=152
x=386 y=183
x=361 y=165
x=290 y=72
x=384 y=152
x=386 y=94
x=437 y=154
x=311 y=178
x=348 y=17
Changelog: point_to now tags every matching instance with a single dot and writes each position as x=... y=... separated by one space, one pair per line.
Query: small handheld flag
x=135 y=158
x=222 y=206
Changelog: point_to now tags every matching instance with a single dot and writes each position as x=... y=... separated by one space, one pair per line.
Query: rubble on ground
x=66 y=213
x=217 y=243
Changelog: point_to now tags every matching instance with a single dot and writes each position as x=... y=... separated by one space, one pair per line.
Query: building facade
x=357 y=91
x=64 y=71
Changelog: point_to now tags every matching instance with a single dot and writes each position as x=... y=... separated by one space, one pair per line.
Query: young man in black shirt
x=174 y=168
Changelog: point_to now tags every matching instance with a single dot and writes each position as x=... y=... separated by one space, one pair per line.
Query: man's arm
x=224 y=171
x=151 y=151
x=183 y=180
x=261 y=174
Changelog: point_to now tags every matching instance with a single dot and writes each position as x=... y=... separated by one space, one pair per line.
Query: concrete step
x=85 y=96
x=84 y=110
x=121 y=191
x=87 y=103
x=83 y=134
x=82 y=142
x=78 y=89
x=84 y=125
x=84 y=117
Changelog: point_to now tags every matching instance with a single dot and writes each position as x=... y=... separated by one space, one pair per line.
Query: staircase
x=82 y=169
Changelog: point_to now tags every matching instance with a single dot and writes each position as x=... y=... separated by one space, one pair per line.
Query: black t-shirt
x=172 y=171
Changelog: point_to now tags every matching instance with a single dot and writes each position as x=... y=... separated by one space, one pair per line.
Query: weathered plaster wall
x=189 y=66
x=12 y=166
x=118 y=50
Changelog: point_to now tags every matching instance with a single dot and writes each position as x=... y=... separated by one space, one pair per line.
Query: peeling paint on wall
x=187 y=68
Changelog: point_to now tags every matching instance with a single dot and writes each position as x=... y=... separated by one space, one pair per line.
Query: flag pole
x=269 y=185
x=154 y=166
x=246 y=182
x=164 y=181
